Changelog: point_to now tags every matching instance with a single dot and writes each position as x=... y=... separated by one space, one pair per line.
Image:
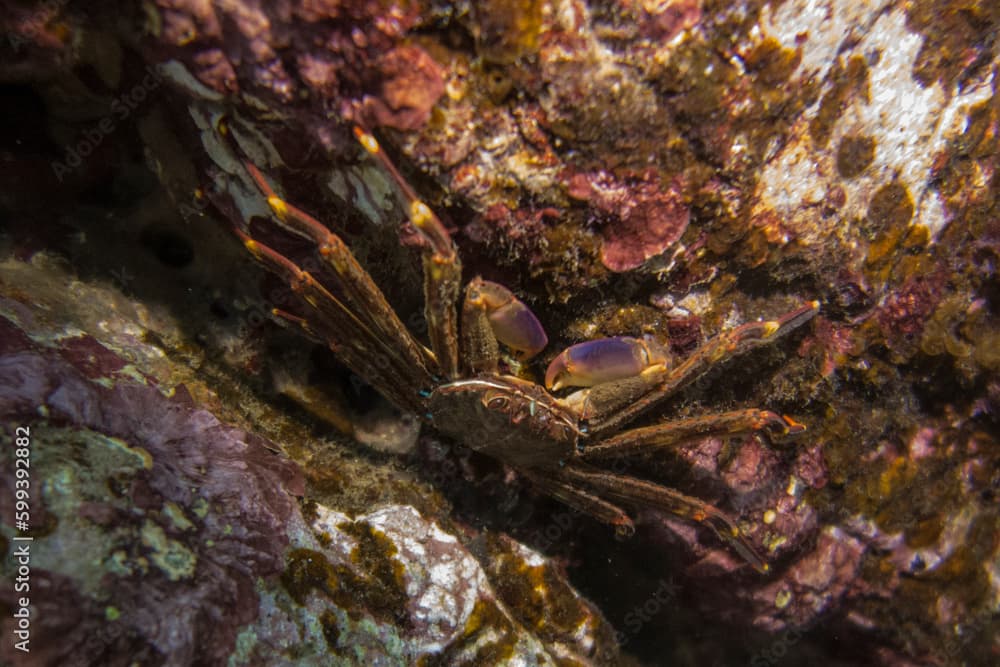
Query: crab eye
x=497 y=403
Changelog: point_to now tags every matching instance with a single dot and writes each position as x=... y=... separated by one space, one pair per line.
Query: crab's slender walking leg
x=300 y=322
x=639 y=492
x=608 y=406
x=668 y=434
x=584 y=502
x=368 y=303
x=349 y=338
x=442 y=266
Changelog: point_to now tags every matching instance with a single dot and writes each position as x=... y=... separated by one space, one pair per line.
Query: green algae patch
x=854 y=155
x=384 y=588
x=144 y=457
x=331 y=629
x=375 y=585
x=896 y=247
x=174 y=559
x=200 y=508
x=891 y=207
x=847 y=80
x=536 y=596
x=772 y=63
x=951 y=30
x=307 y=570
x=507 y=31
x=489 y=630
x=176 y=515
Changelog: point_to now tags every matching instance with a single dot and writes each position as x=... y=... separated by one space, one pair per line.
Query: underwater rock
x=349 y=57
x=151 y=514
x=390 y=585
x=813 y=585
x=718 y=161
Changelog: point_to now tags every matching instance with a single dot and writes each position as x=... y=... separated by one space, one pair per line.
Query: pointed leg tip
x=367 y=141
x=791 y=426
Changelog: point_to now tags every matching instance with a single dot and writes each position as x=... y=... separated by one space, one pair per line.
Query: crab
x=555 y=439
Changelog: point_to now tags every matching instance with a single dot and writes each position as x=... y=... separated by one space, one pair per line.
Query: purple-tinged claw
x=602 y=360
x=512 y=322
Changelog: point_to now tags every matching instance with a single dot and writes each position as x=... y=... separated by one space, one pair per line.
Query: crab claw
x=512 y=322
x=602 y=360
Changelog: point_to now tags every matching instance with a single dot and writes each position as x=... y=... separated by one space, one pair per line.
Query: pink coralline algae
x=814 y=584
x=906 y=311
x=767 y=492
x=410 y=82
x=644 y=218
x=345 y=57
x=196 y=513
x=662 y=21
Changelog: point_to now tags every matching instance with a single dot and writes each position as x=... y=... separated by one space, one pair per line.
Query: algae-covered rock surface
x=210 y=486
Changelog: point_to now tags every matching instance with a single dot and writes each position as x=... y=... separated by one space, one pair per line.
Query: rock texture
x=628 y=168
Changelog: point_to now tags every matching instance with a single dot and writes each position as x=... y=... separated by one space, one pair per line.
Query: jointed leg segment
x=639 y=492
x=349 y=337
x=584 y=502
x=366 y=299
x=442 y=267
x=671 y=433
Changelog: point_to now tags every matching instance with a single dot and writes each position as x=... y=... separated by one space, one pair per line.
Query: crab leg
x=635 y=491
x=335 y=322
x=671 y=433
x=442 y=267
x=368 y=302
x=584 y=502
x=609 y=405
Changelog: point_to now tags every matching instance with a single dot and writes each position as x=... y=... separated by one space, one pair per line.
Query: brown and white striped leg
x=675 y=432
x=637 y=492
x=442 y=266
x=348 y=337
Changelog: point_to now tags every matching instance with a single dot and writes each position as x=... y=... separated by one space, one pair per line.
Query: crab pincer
x=603 y=360
x=512 y=322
